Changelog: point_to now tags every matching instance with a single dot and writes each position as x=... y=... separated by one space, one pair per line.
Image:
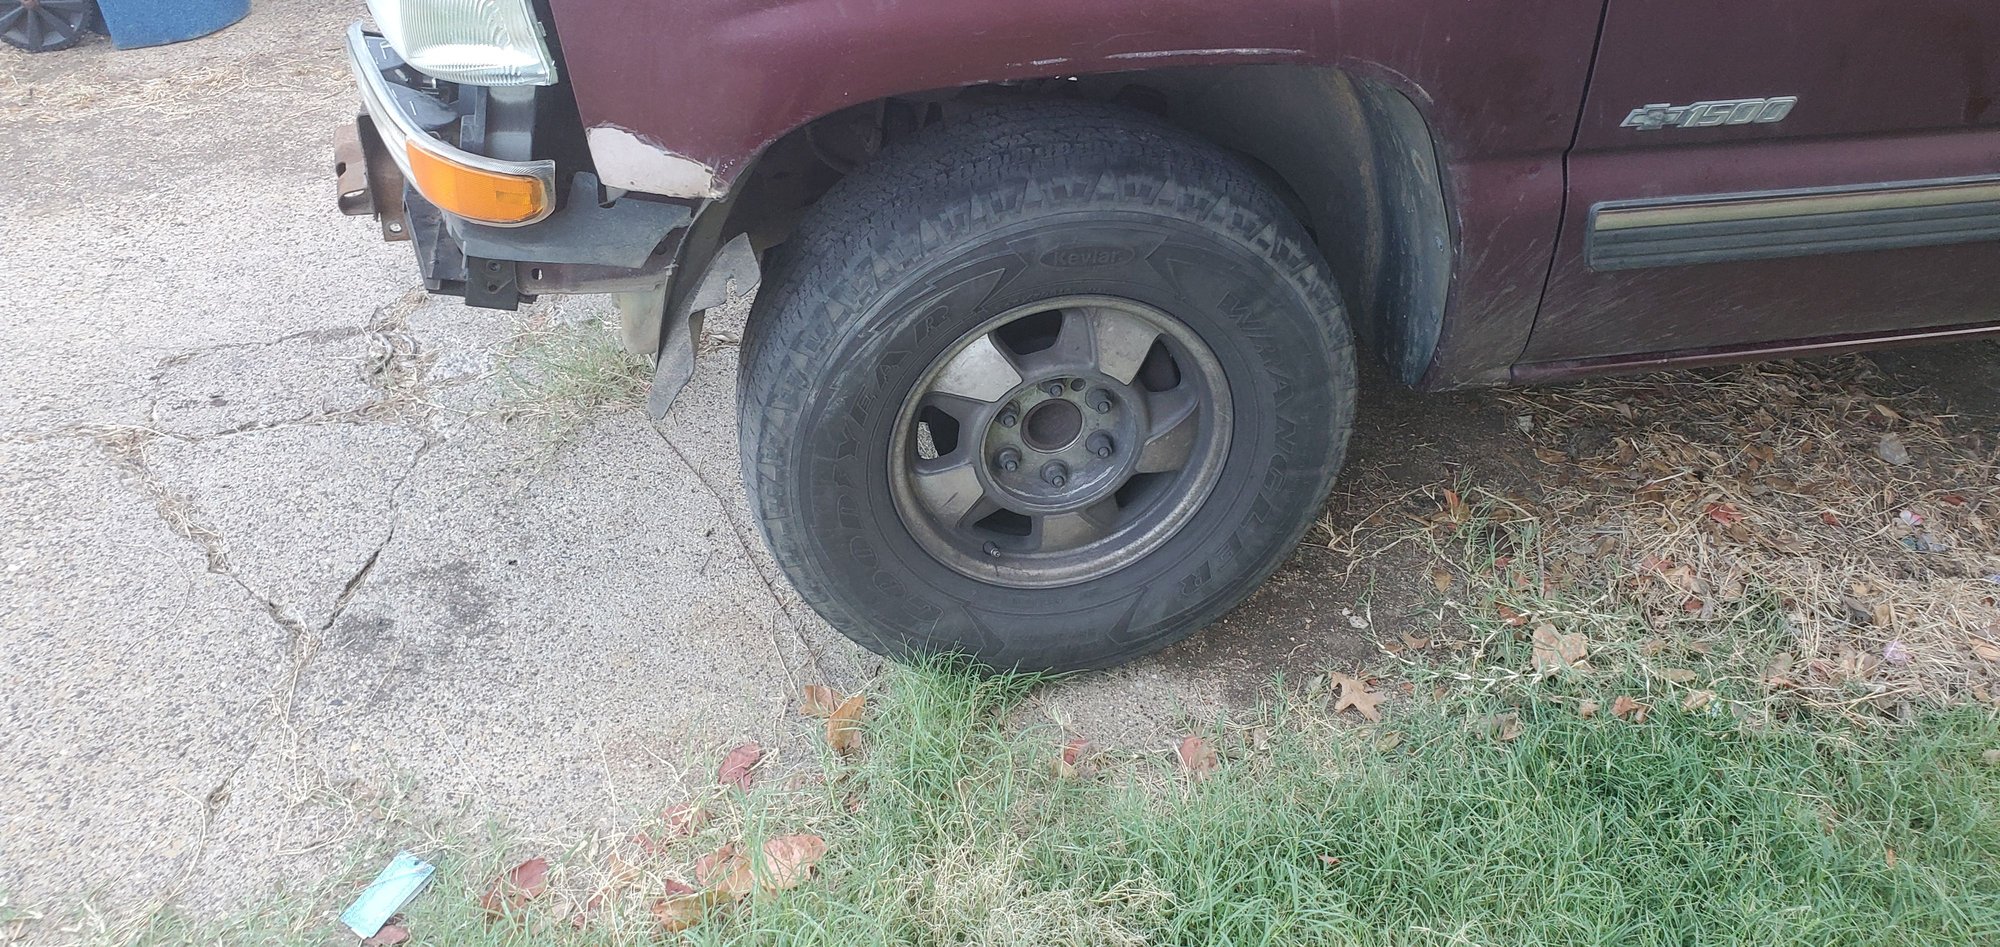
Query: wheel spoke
x=1074 y=348
x=1056 y=531
x=1170 y=440
x=980 y=372
x=62 y=26
x=948 y=488
x=1121 y=341
x=11 y=18
x=961 y=409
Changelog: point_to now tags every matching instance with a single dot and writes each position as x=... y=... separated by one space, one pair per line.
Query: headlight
x=476 y=42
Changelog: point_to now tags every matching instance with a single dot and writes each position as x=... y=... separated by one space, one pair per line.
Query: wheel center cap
x=1052 y=425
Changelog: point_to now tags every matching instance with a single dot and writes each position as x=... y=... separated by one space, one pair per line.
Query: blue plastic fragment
x=391 y=889
x=154 y=22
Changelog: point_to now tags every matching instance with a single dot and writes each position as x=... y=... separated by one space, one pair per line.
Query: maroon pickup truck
x=1053 y=358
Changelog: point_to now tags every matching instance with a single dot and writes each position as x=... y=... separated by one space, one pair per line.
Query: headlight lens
x=476 y=42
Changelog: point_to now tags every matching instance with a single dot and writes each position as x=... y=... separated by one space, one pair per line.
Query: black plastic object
x=41 y=26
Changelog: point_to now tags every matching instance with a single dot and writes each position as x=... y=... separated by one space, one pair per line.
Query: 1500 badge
x=1652 y=118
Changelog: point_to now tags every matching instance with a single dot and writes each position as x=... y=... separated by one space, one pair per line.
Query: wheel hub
x=1053 y=425
x=1060 y=441
x=1062 y=455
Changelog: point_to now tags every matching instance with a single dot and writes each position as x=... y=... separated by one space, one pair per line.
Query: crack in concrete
x=127 y=449
x=792 y=621
x=360 y=577
x=397 y=373
x=335 y=334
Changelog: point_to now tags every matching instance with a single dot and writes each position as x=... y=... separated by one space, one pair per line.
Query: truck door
x=1753 y=173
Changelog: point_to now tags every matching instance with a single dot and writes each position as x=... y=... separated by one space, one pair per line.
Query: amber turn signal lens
x=476 y=194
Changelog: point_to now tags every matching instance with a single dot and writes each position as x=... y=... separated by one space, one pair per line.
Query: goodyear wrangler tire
x=1051 y=386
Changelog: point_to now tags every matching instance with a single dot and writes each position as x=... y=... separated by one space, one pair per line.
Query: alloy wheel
x=1060 y=441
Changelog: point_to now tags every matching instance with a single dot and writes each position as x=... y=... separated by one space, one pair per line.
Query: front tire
x=1051 y=386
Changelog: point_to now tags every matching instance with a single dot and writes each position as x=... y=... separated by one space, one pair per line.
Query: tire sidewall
x=1273 y=325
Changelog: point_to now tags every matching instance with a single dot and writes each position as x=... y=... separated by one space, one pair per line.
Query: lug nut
x=1100 y=444
x=1054 y=388
x=1076 y=384
x=1100 y=401
x=1010 y=415
x=1008 y=460
x=1056 y=473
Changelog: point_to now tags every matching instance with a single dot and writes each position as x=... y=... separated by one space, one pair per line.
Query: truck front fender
x=678 y=97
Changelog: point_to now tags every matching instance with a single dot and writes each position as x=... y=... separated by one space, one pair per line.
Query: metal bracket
x=370 y=182
x=491 y=284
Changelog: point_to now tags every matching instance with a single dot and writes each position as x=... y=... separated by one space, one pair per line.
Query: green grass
x=1686 y=829
x=561 y=376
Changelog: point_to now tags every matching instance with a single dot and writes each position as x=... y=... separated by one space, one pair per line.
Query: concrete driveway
x=269 y=549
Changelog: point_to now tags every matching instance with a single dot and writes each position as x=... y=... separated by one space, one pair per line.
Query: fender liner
x=643 y=316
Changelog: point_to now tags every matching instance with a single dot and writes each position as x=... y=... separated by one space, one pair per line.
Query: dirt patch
x=1848 y=509
x=1330 y=603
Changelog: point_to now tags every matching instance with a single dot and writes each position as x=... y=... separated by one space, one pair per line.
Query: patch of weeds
x=1858 y=526
x=561 y=375
x=1511 y=574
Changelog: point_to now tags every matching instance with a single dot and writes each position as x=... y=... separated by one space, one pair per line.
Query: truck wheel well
x=1354 y=156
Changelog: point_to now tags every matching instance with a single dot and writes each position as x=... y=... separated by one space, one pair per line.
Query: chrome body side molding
x=1778 y=224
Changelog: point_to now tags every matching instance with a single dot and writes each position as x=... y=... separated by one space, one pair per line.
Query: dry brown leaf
x=1555 y=653
x=1627 y=708
x=1779 y=672
x=1441 y=579
x=739 y=766
x=1455 y=510
x=1505 y=727
x=789 y=860
x=1696 y=700
x=1725 y=513
x=818 y=700
x=1068 y=763
x=684 y=819
x=725 y=870
x=677 y=913
x=843 y=727
x=1513 y=618
x=1354 y=695
x=645 y=842
x=391 y=934
x=1678 y=675
x=708 y=867
x=1985 y=650
x=516 y=887
x=1330 y=861
x=1197 y=758
x=1586 y=709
